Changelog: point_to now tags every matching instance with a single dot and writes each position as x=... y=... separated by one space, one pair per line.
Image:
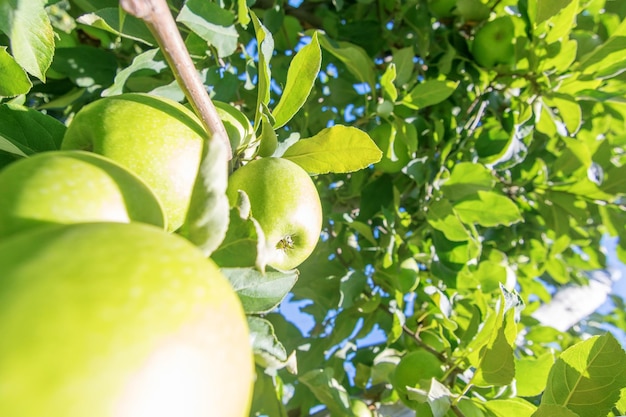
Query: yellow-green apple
x=71 y=187
x=285 y=202
x=118 y=320
x=158 y=139
x=494 y=43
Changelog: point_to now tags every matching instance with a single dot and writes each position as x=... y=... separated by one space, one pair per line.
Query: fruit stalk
x=157 y=16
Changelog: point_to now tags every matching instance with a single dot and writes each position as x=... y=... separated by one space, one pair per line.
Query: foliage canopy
x=495 y=188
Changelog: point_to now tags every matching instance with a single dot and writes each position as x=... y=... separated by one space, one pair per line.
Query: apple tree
x=469 y=161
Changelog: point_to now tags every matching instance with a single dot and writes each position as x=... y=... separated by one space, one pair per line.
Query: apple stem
x=156 y=15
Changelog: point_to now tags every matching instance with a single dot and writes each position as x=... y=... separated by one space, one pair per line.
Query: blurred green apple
x=158 y=139
x=414 y=367
x=71 y=187
x=118 y=320
x=493 y=43
x=285 y=202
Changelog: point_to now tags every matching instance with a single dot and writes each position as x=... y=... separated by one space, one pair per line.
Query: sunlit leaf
x=429 y=93
x=212 y=23
x=587 y=377
x=336 y=149
x=488 y=208
x=13 y=79
x=260 y=292
x=301 y=76
x=27 y=25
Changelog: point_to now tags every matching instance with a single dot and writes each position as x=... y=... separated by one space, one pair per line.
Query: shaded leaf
x=86 y=66
x=435 y=394
x=260 y=292
x=109 y=19
x=268 y=351
x=337 y=149
x=442 y=217
x=328 y=391
x=208 y=214
x=354 y=57
x=25 y=131
x=150 y=60
x=301 y=77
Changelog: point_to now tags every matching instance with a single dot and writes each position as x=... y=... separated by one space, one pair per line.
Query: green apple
x=118 y=320
x=71 y=187
x=414 y=367
x=285 y=202
x=158 y=139
x=494 y=43
x=395 y=151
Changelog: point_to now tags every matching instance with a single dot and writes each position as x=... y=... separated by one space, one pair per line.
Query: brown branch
x=157 y=16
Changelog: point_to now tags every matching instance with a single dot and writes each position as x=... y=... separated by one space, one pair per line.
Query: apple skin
x=158 y=139
x=285 y=202
x=413 y=367
x=60 y=187
x=118 y=320
x=493 y=43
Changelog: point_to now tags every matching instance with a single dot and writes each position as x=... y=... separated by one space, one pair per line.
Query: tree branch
x=157 y=16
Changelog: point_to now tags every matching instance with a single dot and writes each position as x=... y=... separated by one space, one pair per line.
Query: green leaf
x=150 y=60
x=108 y=19
x=429 y=93
x=531 y=374
x=268 y=351
x=386 y=83
x=301 y=77
x=510 y=407
x=607 y=60
x=337 y=149
x=554 y=411
x=435 y=394
x=208 y=214
x=265 y=45
x=258 y=292
x=243 y=241
x=265 y=399
x=442 y=217
x=27 y=25
x=25 y=131
x=86 y=66
x=13 y=79
x=541 y=10
x=587 y=377
x=467 y=178
x=354 y=57
x=488 y=208
x=328 y=391
x=212 y=23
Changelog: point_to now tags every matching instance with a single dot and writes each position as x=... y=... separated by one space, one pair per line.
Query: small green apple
x=285 y=202
x=494 y=43
x=158 y=139
x=71 y=187
x=118 y=320
x=395 y=151
x=414 y=367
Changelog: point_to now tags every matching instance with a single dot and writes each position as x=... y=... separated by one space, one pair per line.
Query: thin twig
x=157 y=16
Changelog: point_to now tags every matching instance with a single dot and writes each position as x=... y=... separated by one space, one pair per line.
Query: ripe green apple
x=71 y=187
x=494 y=43
x=118 y=320
x=285 y=202
x=414 y=367
x=395 y=151
x=158 y=139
